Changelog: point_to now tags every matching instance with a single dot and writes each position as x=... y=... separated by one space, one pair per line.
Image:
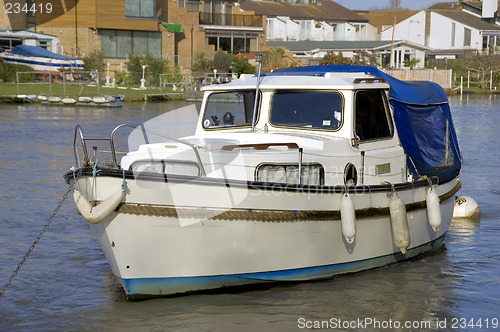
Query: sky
x=383 y=4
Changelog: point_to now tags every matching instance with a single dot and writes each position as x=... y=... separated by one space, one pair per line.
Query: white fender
x=97 y=213
x=399 y=223
x=348 y=218
x=433 y=209
x=466 y=207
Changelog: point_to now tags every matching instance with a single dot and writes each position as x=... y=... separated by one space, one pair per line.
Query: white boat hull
x=194 y=234
x=43 y=64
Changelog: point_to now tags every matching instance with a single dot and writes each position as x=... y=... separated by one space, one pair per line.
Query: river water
x=66 y=284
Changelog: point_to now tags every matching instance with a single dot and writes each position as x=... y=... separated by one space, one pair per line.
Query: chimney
x=489 y=12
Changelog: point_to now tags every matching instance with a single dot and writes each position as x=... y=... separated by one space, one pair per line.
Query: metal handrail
x=111 y=139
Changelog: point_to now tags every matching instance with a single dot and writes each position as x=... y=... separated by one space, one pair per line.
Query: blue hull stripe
x=150 y=287
x=38 y=63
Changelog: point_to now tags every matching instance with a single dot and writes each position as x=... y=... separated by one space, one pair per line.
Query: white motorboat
x=330 y=170
x=40 y=59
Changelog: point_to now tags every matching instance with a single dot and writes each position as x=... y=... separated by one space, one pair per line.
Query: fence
x=442 y=77
x=62 y=83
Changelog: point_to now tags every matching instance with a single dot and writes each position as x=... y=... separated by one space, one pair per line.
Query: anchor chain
x=70 y=188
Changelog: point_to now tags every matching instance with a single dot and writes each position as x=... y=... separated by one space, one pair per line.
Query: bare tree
x=395 y=4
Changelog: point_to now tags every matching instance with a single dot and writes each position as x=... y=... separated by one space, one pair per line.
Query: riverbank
x=11 y=93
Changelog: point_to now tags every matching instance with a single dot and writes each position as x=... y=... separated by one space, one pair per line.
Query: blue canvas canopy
x=422 y=116
x=38 y=51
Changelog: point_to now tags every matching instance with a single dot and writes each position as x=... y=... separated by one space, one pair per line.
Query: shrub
x=242 y=66
x=154 y=67
x=8 y=73
x=223 y=61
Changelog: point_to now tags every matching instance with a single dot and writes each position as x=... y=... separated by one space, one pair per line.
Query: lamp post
x=143 y=80
x=108 y=79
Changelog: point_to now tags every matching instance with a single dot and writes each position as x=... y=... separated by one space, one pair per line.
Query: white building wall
x=284 y=28
x=412 y=29
x=441 y=32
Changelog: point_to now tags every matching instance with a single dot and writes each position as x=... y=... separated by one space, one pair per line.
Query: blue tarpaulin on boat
x=37 y=51
x=422 y=116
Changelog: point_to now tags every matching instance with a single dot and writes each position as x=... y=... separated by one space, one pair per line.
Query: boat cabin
x=334 y=129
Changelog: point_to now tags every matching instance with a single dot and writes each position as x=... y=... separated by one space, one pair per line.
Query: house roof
x=444 y=5
x=339 y=45
x=468 y=19
x=325 y=10
x=381 y=18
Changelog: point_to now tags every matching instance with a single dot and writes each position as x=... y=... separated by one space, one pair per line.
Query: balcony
x=231 y=20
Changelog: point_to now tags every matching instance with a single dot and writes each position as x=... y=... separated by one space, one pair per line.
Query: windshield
x=229 y=109
x=307 y=109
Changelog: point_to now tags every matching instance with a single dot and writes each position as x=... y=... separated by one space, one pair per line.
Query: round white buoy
x=465 y=207
x=348 y=218
x=399 y=223
x=433 y=209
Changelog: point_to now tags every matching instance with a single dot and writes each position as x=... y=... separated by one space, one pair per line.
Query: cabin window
x=313 y=174
x=166 y=167
x=373 y=120
x=229 y=109
x=307 y=109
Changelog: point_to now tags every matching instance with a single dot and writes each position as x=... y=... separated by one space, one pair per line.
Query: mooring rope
x=70 y=188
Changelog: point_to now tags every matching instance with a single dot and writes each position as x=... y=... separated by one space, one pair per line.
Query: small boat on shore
x=107 y=101
x=300 y=174
x=40 y=59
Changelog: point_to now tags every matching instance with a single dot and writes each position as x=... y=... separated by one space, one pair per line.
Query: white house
x=451 y=29
x=312 y=52
x=316 y=20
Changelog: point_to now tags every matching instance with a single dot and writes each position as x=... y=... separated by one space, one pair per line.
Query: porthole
x=350 y=175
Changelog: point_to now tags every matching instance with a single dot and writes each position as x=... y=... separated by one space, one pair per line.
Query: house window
x=142 y=9
x=191 y=6
x=453 y=33
x=233 y=43
x=305 y=30
x=485 y=42
x=467 y=37
x=120 y=43
x=270 y=28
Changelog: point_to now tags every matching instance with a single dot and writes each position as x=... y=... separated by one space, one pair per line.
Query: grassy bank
x=57 y=89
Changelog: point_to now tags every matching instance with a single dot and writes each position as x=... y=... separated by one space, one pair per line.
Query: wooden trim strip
x=264 y=215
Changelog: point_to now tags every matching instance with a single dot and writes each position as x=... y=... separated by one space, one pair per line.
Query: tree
x=481 y=64
x=223 y=61
x=411 y=62
x=363 y=57
x=201 y=64
x=94 y=61
x=242 y=66
x=274 y=58
x=154 y=67
x=332 y=58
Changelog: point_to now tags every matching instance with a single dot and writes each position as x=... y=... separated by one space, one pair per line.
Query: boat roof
x=414 y=92
x=342 y=77
x=331 y=80
x=37 y=51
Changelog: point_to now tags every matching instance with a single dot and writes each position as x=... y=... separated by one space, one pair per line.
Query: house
x=312 y=52
x=11 y=38
x=450 y=28
x=316 y=20
x=171 y=29
x=385 y=19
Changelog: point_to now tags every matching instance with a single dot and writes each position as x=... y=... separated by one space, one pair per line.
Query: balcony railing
x=231 y=19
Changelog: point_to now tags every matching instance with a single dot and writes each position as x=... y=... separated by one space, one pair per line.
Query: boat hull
x=176 y=235
x=43 y=64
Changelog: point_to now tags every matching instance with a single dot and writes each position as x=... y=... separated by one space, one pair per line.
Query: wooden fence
x=442 y=77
